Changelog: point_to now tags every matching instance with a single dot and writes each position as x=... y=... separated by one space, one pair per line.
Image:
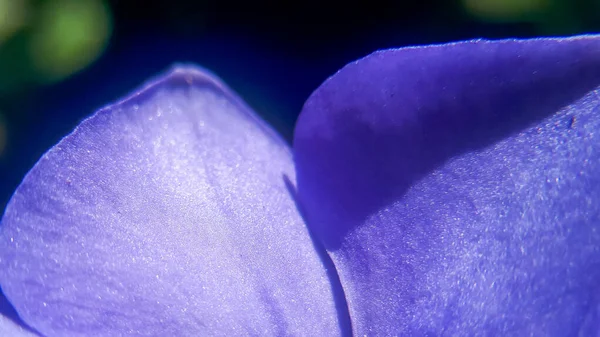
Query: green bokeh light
x=548 y=17
x=505 y=10
x=68 y=35
x=13 y=16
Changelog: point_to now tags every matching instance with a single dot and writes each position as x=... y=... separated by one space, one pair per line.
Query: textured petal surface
x=166 y=214
x=457 y=187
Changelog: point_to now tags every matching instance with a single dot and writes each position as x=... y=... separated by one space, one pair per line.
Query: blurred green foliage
x=69 y=35
x=46 y=41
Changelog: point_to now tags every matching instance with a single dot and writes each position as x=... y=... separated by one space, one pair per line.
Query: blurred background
x=60 y=60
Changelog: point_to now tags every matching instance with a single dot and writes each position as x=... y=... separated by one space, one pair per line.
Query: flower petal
x=165 y=214
x=457 y=187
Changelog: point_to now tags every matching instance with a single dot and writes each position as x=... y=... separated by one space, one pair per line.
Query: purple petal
x=457 y=187
x=165 y=214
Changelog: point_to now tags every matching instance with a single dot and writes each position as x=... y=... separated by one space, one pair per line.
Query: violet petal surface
x=457 y=187
x=165 y=214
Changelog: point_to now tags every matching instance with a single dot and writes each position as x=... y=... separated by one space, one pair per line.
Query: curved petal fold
x=457 y=187
x=165 y=214
x=10 y=323
x=10 y=329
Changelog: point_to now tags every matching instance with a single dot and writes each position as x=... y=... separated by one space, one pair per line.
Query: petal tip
x=177 y=74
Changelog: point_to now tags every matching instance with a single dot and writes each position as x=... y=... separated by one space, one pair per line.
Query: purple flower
x=442 y=190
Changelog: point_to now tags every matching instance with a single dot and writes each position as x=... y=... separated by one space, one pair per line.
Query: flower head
x=439 y=190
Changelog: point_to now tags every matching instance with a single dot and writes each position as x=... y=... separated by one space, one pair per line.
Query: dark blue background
x=273 y=53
